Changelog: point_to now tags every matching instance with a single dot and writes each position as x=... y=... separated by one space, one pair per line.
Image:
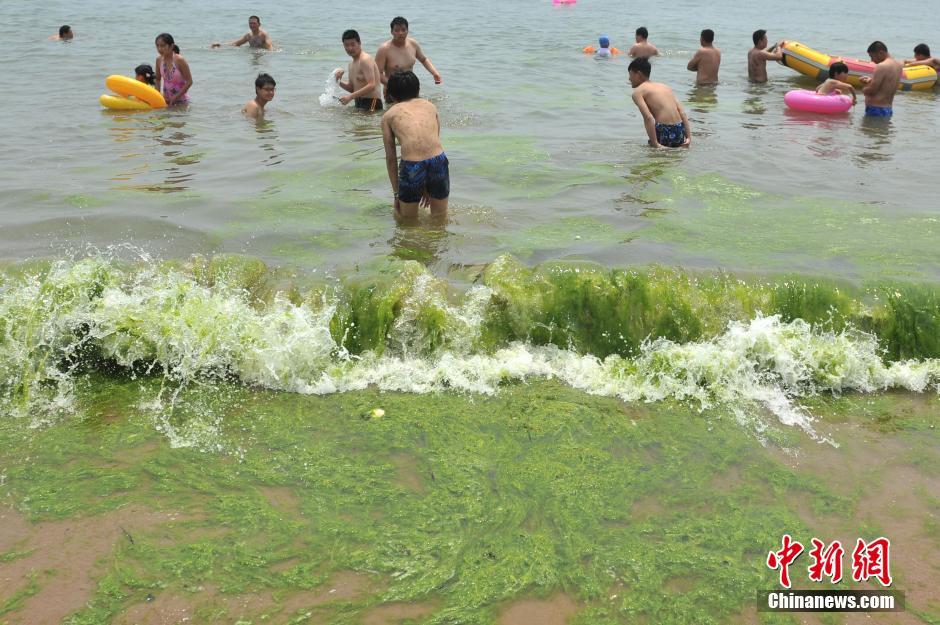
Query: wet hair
x=254 y=17
x=351 y=34
x=838 y=68
x=758 y=35
x=64 y=30
x=398 y=21
x=146 y=71
x=642 y=32
x=403 y=86
x=708 y=35
x=877 y=46
x=922 y=49
x=263 y=80
x=167 y=38
x=640 y=65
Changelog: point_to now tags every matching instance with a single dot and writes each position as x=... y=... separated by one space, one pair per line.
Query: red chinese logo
x=784 y=558
x=871 y=560
x=826 y=562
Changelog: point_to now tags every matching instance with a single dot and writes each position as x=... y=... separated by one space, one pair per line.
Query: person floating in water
x=838 y=74
x=424 y=171
x=173 y=76
x=65 y=34
x=881 y=86
x=642 y=47
x=264 y=93
x=400 y=53
x=364 y=81
x=145 y=74
x=663 y=116
x=758 y=56
x=603 y=48
x=922 y=57
x=256 y=37
x=706 y=60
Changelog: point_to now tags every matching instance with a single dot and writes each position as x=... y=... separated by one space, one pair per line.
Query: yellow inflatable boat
x=815 y=64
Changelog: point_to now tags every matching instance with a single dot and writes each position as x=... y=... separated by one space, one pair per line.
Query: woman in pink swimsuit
x=173 y=77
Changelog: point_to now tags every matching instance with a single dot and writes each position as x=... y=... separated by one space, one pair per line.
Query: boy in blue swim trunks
x=880 y=88
x=424 y=172
x=663 y=116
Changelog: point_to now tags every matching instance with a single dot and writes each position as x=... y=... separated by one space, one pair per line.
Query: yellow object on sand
x=130 y=87
x=815 y=64
x=120 y=103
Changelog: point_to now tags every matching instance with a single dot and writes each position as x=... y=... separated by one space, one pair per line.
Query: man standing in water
x=663 y=116
x=264 y=93
x=758 y=56
x=256 y=37
x=400 y=53
x=642 y=47
x=706 y=60
x=881 y=86
x=424 y=170
x=363 y=85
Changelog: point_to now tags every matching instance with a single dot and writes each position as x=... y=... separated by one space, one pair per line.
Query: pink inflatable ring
x=804 y=100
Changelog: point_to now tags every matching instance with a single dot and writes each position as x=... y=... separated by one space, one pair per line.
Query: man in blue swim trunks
x=663 y=116
x=880 y=88
x=424 y=173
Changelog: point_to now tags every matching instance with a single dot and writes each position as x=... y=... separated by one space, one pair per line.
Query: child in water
x=603 y=51
x=838 y=72
x=144 y=73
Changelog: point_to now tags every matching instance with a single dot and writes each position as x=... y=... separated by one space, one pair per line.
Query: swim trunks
x=670 y=135
x=369 y=104
x=432 y=175
x=878 y=111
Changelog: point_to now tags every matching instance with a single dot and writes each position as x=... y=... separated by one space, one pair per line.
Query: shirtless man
x=881 y=86
x=264 y=93
x=424 y=171
x=257 y=37
x=400 y=53
x=663 y=116
x=706 y=60
x=758 y=56
x=65 y=34
x=363 y=85
x=922 y=57
x=642 y=47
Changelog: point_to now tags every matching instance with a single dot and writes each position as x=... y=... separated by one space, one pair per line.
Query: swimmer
x=603 y=49
x=706 y=60
x=758 y=56
x=65 y=34
x=400 y=53
x=144 y=73
x=424 y=171
x=881 y=86
x=922 y=57
x=264 y=93
x=642 y=47
x=256 y=37
x=663 y=116
x=838 y=74
x=173 y=76
x=364 y=81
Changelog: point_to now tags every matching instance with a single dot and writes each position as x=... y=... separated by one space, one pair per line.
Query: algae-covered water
x=234 y=390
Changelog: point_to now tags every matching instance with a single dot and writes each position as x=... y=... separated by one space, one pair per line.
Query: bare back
x=705 y=64
x=644 y=49
x=757 y=65
x=884 y=83
x=661 y=102
x=416 y=126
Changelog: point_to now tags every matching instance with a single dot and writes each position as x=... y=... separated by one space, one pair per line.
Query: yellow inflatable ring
x=120 y=103
x=131 y=88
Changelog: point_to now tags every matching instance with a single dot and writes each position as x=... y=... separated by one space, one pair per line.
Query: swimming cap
x=604 y=41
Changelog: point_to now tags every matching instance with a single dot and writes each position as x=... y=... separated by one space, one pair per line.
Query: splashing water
x=331 y=90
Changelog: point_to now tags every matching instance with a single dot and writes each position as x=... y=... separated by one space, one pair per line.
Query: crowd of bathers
x=422 y=176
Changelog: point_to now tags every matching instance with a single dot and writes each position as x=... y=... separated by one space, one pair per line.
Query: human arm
x=380 y=61
x=845 y=88
x=391 y=156
x=158 y=76
x=238 y=42
x=633 y=50
x=268 y=44
x=774 y=54
x=649 y=122
x=339 y=80
x=372 y=73
x=873 y=84
x=685 y=122
x=183 y=67
x=693 y=64
x=427 y=64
